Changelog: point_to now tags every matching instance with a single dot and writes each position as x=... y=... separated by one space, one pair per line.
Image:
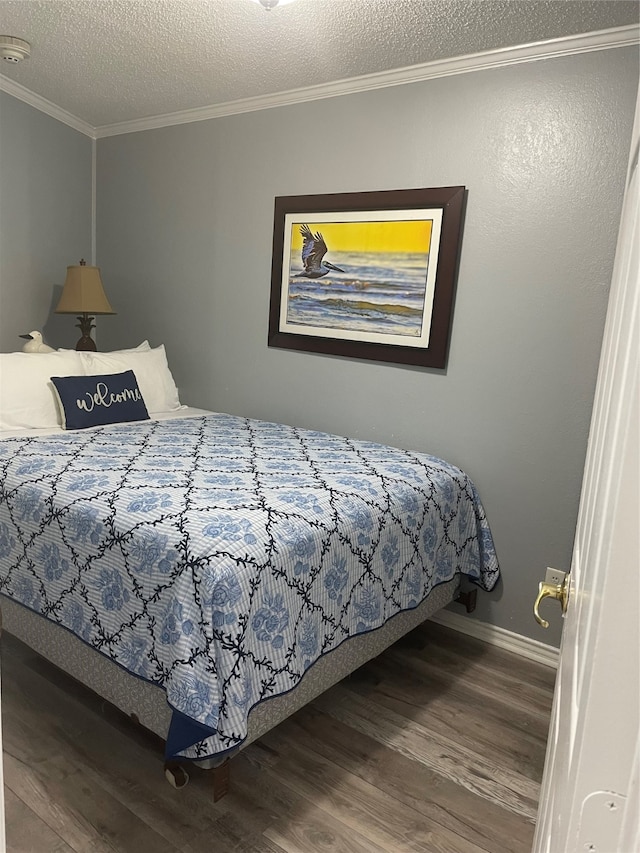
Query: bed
x=206 y=573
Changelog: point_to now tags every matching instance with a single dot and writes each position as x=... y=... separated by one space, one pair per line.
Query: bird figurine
x=313 y=251
x=35 y=343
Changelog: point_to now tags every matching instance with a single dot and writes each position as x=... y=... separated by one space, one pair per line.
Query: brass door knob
x=549 y=590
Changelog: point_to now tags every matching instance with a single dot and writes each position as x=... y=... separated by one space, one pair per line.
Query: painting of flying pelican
x=313 y=251
x=367 y=275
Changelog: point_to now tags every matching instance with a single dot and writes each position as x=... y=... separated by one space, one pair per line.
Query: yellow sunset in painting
x=408 y=236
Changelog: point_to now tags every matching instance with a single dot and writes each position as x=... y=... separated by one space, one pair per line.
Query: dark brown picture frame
x=361 y=305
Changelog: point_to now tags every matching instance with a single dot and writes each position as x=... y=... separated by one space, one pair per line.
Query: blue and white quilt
x=220 y=557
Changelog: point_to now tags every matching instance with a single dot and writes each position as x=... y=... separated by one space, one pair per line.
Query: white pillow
x=151 y=369
x=27 y=399
x=143 y=347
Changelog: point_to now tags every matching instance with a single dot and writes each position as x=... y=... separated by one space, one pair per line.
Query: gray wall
x=45 y=220
x=185 y=217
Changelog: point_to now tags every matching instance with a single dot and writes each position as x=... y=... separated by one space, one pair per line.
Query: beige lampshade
x=83 y=292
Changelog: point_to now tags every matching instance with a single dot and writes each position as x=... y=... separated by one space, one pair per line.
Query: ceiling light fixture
x=13 y=49
x=271 y=4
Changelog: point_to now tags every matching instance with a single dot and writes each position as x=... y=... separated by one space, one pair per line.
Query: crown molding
x=533 y=52
x=45 y=106
x=565 y=46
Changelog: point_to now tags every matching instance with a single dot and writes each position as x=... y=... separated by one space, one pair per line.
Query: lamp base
x=86 y=342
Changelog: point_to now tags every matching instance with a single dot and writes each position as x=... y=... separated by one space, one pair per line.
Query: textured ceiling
x=107 y=61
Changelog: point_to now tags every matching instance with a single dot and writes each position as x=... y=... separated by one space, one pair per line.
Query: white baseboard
x=494 y=636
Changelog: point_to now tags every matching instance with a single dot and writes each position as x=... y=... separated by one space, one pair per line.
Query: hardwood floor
x=436 y=746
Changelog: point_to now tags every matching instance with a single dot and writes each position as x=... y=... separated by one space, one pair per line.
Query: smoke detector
x=13 y=49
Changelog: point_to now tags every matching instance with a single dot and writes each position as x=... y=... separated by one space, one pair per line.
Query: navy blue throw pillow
x=87 y=401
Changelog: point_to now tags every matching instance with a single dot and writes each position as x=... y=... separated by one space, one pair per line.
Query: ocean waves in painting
x=376 y=294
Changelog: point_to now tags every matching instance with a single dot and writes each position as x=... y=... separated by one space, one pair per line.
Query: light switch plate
x=555 y=576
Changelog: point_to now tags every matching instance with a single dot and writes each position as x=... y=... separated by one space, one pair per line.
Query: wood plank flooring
x=437 y=746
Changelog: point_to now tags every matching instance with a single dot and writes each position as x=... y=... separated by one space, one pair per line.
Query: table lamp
x=83 y=295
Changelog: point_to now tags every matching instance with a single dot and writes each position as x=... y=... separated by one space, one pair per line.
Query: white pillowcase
x=27 y=399
x=151 y=369
x=143 y=347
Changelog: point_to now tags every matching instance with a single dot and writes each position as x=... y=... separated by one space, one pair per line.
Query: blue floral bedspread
x=220 y=557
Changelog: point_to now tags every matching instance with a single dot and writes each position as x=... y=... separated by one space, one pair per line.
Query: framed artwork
x=367 y=275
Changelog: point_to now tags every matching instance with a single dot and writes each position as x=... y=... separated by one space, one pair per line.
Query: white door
x=589 y=799
x=3 y=843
